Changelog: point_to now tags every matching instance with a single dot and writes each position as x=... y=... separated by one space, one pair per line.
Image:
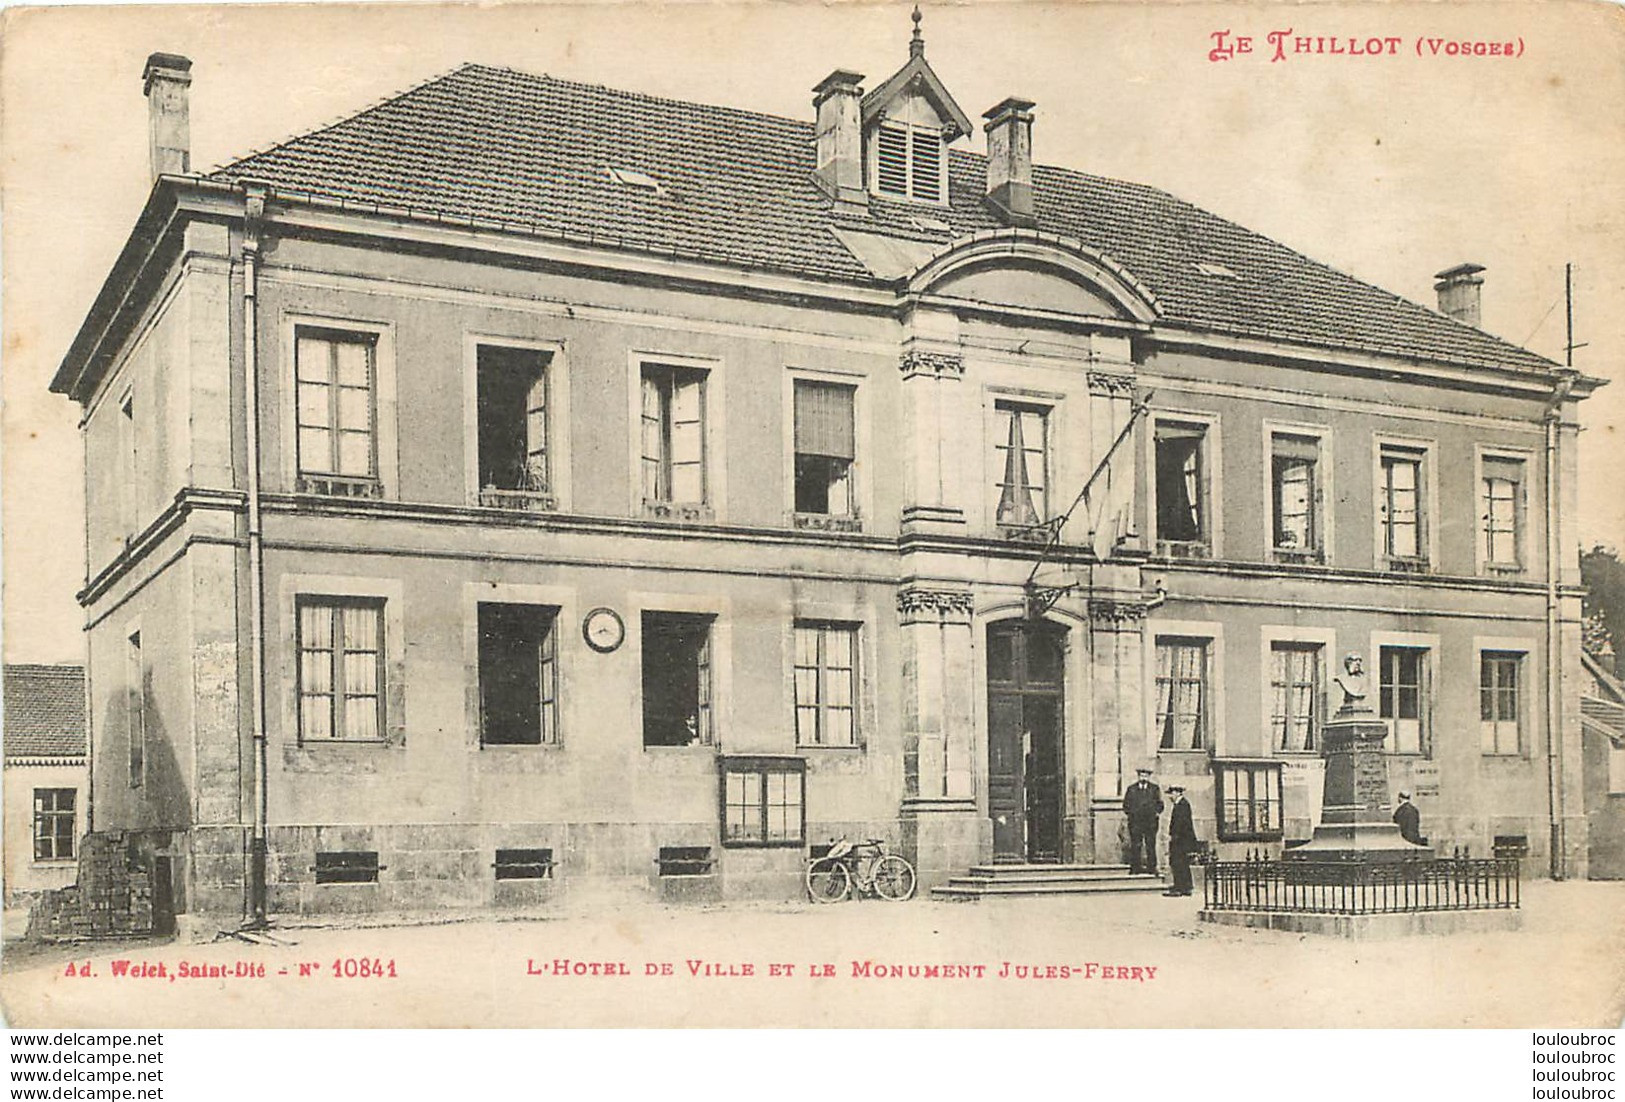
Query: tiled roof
x=45 y=711
x=736 y=188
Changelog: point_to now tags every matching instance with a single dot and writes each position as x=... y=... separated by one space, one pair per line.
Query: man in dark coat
x=1142 y=806
x=1182 y=842
x=1409 y=820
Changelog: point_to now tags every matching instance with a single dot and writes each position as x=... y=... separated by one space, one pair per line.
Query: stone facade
x=201 y=567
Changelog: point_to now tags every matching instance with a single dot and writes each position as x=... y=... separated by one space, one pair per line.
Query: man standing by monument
x=1409 y=820
x=1142 y=807
x=1182 y=842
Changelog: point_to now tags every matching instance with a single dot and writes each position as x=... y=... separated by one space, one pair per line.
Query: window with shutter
x=1401 y=506
x=673 y=435
x=1295 y=692
x=1021 y=462
x=1295 y=493
x=1403 y=697
x=1182 y=484
x=337 y=427
x=825 y=448
x=341 y=669
x=1500 y=726
x=518 y=671
x=511 y=396
x=1500 y=512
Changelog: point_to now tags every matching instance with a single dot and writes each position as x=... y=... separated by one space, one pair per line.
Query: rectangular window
x=676 y=679
x=1402 y=505
x=341 y=669
x=1403 y=697
x=1295 y=692
x=347 y=867
x=825 y=443
x=514 y=460
x=673 y=435
x=1616 y=770
x=518 y=675
x=1249 y=799
x=130 y=461
x=1181 y=484
x=1021 y=460
x=524 y=864
x=135 y=681
x=1498 y=702
x=1501 y=513
x=826 y=684
x=55 y=824
x=762 y=801
x=1182 y=696
x=1295 y=495
x=336 y=379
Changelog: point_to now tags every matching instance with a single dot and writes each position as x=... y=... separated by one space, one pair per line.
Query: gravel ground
x=1115 y=961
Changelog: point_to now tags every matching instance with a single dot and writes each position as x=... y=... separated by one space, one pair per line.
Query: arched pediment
x=1023 y=268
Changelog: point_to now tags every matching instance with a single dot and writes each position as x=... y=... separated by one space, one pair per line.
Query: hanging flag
x=1108 y=496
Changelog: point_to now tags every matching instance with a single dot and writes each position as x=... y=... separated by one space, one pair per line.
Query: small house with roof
x=526 y=486
x=47 y=777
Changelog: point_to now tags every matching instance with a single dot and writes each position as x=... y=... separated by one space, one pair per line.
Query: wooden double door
x=1026 y=673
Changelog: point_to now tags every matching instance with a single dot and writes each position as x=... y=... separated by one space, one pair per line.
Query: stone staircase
x=984 y=881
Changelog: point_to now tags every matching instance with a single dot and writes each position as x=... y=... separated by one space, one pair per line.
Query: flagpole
x=1055 y=526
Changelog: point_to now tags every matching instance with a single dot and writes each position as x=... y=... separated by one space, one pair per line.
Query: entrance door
x=1025 y=672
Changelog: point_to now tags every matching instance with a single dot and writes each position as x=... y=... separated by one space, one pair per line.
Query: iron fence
x=1354 y=888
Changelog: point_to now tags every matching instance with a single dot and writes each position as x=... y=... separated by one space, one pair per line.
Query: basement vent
x=637 y=181
x=1210 y=269
x=347 y=867
x=1511 y=845
x=684 y=860
x=524 y=864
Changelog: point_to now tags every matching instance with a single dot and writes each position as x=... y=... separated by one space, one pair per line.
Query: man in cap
x=1142 y=806
x=1182 y=842
x=1409 y=820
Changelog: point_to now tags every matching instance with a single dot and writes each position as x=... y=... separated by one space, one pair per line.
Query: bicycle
x=866 y=865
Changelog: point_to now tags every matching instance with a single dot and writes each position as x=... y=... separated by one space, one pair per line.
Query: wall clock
x=603 y=629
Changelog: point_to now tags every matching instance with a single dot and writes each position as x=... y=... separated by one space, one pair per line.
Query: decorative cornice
x=1106 y=610
x=936 y=364
x=920 y=605
x=1105 y=382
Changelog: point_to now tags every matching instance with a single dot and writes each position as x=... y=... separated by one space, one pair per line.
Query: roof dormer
x=908 y=124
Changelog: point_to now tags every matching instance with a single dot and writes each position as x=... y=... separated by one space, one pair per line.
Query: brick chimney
x=1010 y=160
x=166 y=82
x=838 y=100
x=1458 y=289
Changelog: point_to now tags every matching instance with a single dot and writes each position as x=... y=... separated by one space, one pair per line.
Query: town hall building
x=525 y=487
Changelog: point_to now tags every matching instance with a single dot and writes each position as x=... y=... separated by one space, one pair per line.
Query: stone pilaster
x=1117 y=727
x=941 y=829
x=932 y=370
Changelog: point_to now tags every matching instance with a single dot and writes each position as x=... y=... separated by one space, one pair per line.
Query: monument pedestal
x=1356 y=818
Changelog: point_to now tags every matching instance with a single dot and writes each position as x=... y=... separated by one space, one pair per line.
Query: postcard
x=857 y=515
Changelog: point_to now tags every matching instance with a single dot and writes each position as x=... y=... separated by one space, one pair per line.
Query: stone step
x=966 y=888
x=1014 y=873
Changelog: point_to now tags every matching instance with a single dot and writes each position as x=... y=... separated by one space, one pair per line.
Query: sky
x=1389 y=164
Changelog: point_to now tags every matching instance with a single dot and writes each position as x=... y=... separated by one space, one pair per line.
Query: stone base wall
x=425 y=867
x=113 y=896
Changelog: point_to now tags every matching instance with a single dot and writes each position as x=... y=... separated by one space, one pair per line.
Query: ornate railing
x=1354 y=888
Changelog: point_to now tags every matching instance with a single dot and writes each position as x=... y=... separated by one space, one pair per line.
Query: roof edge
x=152 y=226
